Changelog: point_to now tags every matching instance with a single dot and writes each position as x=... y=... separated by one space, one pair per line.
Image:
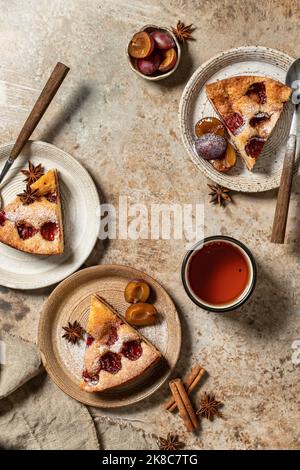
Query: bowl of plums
x=153 y=52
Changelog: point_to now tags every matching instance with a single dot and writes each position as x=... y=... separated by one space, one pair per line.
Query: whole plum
x=149 y=65
x=211 y=146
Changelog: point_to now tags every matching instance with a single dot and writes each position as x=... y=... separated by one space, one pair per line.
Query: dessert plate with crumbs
x=34 y=252
x=78 y=299
x=254 y=61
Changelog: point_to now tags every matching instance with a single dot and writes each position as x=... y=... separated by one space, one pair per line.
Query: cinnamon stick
x=186 y=410
x=190 y=381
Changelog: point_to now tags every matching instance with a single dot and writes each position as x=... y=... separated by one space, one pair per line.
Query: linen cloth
x=34 y=412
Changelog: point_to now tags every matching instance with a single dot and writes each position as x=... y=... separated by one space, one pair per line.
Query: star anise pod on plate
x=33 y=173
x=182 y=32
x=171 y=442
x=219 y=194
x=28 y=196
x=73 y=332
x=209 y=407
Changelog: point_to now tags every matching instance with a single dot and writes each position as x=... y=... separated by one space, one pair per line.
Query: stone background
x=124 y=131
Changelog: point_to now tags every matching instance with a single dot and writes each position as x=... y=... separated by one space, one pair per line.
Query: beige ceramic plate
x=70 y=301
x=81 y=218
x=194 y=105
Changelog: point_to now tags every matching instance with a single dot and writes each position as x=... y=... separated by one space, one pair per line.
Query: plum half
x=141 y=314
x=141 y=45
x=169 y=58
x=137 y=291
x=228 y=161
x=210 y=124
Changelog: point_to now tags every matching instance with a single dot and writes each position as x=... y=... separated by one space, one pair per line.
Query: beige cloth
x=34 y=412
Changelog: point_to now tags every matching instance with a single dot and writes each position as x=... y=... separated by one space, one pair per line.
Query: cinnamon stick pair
x=189 y=382
x=185 y=408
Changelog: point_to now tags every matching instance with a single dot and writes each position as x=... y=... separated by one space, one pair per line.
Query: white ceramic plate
x=194 y=105
x=80 y=211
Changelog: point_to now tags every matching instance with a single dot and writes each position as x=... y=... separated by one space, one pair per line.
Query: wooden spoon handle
x=55 y=80
x=283 y=198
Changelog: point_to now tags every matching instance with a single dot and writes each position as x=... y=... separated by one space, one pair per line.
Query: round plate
x=195 y=105
x=80 y=203
x=70 y=301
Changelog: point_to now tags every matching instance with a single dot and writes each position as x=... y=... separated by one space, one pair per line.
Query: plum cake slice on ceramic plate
x=33 y=221
x=115 y=352
x=250 y=107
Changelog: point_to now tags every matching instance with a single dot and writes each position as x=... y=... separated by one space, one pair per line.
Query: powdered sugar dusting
x=103 y=348
x=34 y=214
x=117 y=346
x=75 y=356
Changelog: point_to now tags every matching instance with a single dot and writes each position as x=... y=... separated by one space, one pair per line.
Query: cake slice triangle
x=32 y=222
x=115 y=353
x=249 y=106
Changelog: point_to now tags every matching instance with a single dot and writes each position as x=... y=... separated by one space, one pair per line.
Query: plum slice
x=132 y=350
x=90 y=379
x=233 y=122
x=89 y=341
x=48 y=231
x=26 y=231
x=111 y=362
x=255 y=146
x=2 y=217
x=257 y=91
x=258 y=118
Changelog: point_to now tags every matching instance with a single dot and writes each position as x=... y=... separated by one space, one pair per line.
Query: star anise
x=209 y=407
x=182 y=32
x=28 y=196
x=219 y=194
x=73 y=332
x=33 y=173
x=170 y=443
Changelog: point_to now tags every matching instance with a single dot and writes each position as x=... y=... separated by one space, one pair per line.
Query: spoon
x=284 y=193
x=55 y=80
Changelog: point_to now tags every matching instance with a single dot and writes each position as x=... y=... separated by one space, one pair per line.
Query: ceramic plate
x=81 y=218
x=70 y=301
x=194 y=105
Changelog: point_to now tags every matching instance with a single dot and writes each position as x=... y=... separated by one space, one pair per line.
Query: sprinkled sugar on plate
x=70 y=302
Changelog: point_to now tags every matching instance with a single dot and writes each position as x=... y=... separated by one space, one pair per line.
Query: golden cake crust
x=100 y=319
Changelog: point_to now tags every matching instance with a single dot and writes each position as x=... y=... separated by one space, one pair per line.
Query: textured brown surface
x=124 y=130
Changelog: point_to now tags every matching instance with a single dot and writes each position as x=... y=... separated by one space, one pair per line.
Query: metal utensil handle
x=55 y=80
x=283 y=198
